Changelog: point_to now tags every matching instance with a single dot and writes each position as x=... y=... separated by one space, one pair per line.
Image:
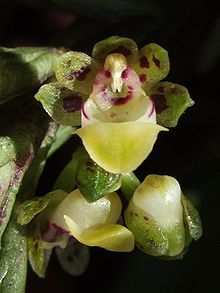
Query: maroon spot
x=72 y=103
x=113 y=114
x=84 y=112
x=122 y=101
x=156 y=61
x=174 y=90
x=146 y=218
x=15 y=178
x=95 y=82
x=160 y=102
x=130 y=87
x=104 y=87
x=123 y=50
x=79 y=75
x=107 y=73
x=152 y=110
x=3 y=209
x=144 y=62
x=143 y=77
x=83 y=73
x=125 y=73
x=72 y=75
x=160 y=89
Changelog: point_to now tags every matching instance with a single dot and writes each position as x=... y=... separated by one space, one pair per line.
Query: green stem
x=64 y=132
x=66 y=180
x=129 y=183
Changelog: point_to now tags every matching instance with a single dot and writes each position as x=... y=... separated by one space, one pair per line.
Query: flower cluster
x=119 y=104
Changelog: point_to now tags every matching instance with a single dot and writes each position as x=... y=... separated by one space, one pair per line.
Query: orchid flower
x=122 y=104
x=94 y=224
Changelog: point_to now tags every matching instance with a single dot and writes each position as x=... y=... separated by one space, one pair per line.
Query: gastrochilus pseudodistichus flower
x=117 y=99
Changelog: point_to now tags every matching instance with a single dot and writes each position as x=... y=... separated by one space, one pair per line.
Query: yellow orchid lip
x=111 y=237
x=119 y=147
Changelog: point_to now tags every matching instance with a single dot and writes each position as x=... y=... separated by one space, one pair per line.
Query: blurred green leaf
x=171 y=100
x=13 y=258
x=24 y=68
x=25 y=132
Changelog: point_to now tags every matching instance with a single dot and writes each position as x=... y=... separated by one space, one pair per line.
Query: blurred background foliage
x=190 y=31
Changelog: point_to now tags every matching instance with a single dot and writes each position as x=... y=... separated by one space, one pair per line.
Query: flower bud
x=155 y=216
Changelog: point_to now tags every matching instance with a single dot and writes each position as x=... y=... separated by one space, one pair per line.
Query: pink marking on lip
x=125 y=73
x=152 y=110
x=104 y=87
x=122 y=101
x=60 y=229
x=130 y=87
x=84 y=112
x=107 y=73
x=95 y=82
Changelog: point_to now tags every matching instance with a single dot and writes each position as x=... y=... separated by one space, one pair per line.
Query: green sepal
x=152 y=65
x=171 y=100
x=37 y=255
x=76 y=71
x=176 y=257
x=191 y=219
x=74 y=258
x=24 y=68
x=36 y=212
x=115 y=44
x=62 y=104
x=30 y=208
x=93 y=181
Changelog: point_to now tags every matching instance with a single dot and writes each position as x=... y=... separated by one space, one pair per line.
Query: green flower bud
x=155 y=216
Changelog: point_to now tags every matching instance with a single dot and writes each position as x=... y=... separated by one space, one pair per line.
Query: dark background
x=190 y=31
